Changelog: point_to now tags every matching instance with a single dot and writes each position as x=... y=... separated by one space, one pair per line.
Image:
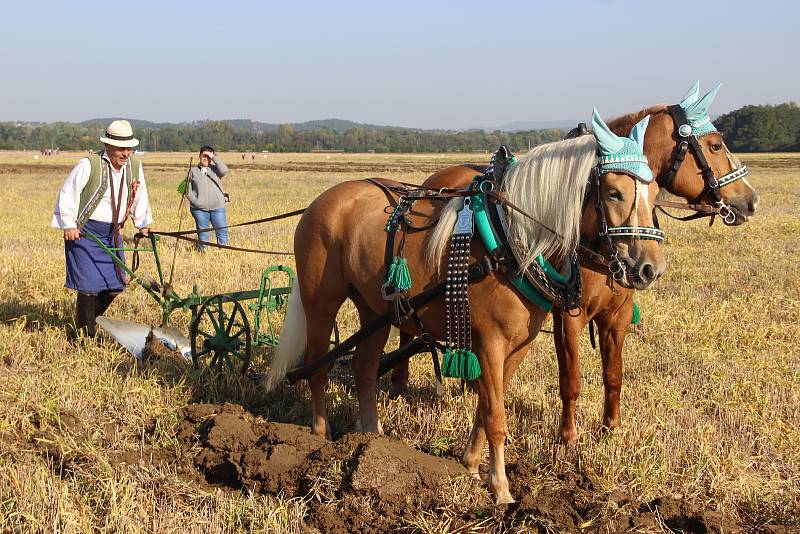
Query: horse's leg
x=477 y=437
x=365 y=365
x=320 y=320
x=612 y=331
x=399 y=387
x=566 y=335
x=492 y=415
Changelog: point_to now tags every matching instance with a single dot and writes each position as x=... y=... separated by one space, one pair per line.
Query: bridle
x=711 y=184
x=616 y=267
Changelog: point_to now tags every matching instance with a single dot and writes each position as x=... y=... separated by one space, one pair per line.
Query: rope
x=248 y=223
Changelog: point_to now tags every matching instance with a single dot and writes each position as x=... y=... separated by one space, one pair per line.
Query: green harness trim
x=460 y=363
x=398 y=275
x=636 y=318
x=491 y=242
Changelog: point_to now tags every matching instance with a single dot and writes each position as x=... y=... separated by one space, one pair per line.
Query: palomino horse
x=608 y=303
x=339 y=248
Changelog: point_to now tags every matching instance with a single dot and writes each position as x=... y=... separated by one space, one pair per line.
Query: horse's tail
x=440 y=237
x=293 y=340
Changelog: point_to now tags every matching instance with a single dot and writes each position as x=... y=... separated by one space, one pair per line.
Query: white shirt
x=66 y=210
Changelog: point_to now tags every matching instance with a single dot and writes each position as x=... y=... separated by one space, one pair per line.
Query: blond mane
x=548 y=183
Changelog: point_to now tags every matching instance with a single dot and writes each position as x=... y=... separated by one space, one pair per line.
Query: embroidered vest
x=96 y=187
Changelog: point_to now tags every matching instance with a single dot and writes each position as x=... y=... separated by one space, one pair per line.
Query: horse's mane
x=548 y=183
x=624 y=124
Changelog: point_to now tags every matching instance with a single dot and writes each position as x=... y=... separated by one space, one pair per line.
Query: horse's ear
x=607 y=141
x=692 y=95
x=700 y=107
x=637 y=133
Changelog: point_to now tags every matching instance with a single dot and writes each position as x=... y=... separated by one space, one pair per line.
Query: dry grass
x=711 y=405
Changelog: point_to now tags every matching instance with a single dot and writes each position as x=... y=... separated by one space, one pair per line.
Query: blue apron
x=89 y=268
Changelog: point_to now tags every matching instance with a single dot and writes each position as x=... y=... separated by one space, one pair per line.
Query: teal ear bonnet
x=696 y=110
x=622 y=154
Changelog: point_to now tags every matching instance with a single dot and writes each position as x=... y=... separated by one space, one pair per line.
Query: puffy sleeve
x=140 y=211
x=65 y=213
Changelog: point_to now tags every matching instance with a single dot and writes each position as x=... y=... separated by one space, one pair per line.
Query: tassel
x=182 y=186
x=398 y=275
x=637 y=315
x=461 y=363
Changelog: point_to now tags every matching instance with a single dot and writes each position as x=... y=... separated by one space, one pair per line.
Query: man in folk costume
x=100 y=193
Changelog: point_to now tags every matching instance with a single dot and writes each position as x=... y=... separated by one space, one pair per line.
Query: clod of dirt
x=370 y=483
x=156 y=354
x=370 y=480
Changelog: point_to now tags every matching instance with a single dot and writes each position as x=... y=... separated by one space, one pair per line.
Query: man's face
x=205 y=158
x=118 y=155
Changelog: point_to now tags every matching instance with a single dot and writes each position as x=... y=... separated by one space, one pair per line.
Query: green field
x=711 y=394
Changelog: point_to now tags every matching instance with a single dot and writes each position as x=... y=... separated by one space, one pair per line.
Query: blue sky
x=423 y=64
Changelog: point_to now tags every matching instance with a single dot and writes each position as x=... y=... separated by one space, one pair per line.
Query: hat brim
x=128 y=143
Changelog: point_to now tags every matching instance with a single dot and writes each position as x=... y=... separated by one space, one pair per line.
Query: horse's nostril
x=648 y=273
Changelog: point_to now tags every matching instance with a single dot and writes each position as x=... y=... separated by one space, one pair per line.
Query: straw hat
x=119 y=133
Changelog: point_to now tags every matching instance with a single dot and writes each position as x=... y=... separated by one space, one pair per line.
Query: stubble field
x=89 y=441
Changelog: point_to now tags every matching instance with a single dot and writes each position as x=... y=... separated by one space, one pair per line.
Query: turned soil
x=370 y=483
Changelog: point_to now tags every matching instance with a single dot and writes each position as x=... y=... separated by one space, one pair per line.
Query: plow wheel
x=221 y=335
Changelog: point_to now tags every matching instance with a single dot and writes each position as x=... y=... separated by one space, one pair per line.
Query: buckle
x=389 y=292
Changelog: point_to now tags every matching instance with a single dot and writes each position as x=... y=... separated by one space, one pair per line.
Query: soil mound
x=370 y=483
x=360 y=481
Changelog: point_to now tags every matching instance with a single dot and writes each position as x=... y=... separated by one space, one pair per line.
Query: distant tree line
x=749 y=129
x=225 y=137
x=762 y=128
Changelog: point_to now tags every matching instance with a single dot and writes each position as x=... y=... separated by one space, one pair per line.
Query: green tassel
x=637 y=314
x=182 y=186
x=398 y=275
x=461 y=363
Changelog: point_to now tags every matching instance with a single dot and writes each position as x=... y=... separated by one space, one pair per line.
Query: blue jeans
x=207 y=219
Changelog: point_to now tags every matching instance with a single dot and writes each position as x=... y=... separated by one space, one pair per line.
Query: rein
x=615 y=266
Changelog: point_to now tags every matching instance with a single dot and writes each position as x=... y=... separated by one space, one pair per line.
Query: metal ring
x=487 y=183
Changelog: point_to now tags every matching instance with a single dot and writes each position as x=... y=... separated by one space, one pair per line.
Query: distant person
x=207 y=197
x=100 y=193
x=243 y=156
x=253 y=157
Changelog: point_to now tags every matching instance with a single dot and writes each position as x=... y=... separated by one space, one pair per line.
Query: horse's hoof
x=504 y=498
x=398 y=392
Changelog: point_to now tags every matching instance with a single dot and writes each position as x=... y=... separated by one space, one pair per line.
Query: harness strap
x=477 y=271
x=711 y=186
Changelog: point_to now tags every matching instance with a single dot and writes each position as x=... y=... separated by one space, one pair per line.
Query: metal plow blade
x=133 y=336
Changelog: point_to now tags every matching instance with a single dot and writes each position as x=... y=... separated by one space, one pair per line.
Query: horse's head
x=619 y=207
x=709 y=174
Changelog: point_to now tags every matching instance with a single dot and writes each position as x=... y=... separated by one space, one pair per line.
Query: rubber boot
x=85 y=314
x=104 y=300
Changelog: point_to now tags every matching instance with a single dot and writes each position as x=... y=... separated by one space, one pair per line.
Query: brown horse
x=608 y=303
x=339 y=248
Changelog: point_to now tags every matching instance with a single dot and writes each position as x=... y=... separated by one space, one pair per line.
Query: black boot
x=85 y=314
x=104 y=300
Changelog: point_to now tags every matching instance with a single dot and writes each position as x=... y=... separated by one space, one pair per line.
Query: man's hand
x=145 y=231
x=209 y=155
x=71 y=234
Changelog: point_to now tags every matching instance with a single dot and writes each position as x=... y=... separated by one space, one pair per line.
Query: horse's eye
x=614 y=194
x=716 y=147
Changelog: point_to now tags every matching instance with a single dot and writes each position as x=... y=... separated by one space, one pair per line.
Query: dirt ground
x=370 y=483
